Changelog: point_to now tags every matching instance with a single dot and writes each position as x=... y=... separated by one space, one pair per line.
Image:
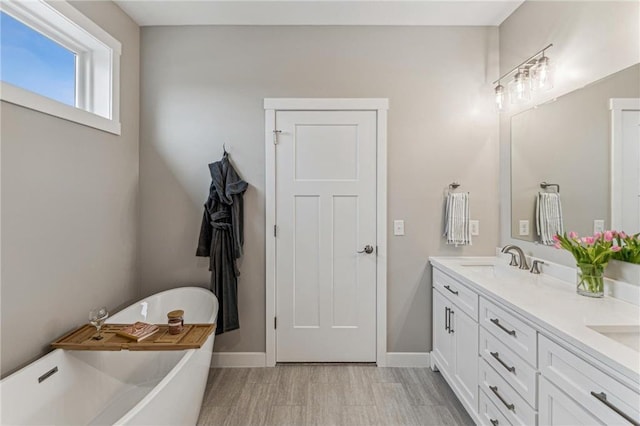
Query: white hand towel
x=549 y=220
x=456 y=223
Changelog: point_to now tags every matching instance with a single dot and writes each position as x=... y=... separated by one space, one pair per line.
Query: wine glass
x=97 y=317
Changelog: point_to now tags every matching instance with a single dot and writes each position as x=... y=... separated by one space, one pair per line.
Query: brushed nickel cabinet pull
x=446 y=318
x=602 y=397
x=494 y=389
x=452 y=291
x=496 y=355
x=496 y=321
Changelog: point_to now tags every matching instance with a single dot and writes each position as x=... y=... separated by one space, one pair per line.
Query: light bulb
x=519 y=84
x=544 y=74
x=520 y=87
x=499 y=96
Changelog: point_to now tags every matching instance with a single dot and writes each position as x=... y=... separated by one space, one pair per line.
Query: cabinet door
x=442 y=340
x=556 y=408
x=465 y=361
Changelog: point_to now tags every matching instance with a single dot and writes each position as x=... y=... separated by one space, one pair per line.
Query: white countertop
x=553 y=306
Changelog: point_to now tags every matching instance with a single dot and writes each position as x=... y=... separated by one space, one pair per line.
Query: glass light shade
x=500 y=97
x=520 y=87
x=542 y=74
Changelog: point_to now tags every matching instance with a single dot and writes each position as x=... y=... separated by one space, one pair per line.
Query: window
x=55 y=60
x=34 y=62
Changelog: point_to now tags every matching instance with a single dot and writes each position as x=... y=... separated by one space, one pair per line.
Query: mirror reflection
x=565 y=145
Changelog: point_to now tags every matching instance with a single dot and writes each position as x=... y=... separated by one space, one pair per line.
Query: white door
x=465 y=348
x=631 y=172
x=325 y=215
x=442 y=340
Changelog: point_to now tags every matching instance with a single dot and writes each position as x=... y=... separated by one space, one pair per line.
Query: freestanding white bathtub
x=124 y=388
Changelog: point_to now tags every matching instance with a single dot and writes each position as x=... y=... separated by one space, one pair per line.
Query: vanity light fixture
x=535 y=73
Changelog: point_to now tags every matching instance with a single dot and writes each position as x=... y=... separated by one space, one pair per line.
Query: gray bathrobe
x=221 y=239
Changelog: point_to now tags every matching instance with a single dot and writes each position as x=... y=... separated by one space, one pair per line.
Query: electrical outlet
x=524 y=227
x=398 y=227
x=474 y=227
x=598 y=226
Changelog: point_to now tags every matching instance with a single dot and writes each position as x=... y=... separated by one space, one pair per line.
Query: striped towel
x=456 y=219
x=549 y=220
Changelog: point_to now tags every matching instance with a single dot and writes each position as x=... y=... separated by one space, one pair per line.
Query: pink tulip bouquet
x=592 y=254
x=630 y=247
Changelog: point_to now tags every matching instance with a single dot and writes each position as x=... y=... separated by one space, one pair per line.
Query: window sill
x=31 y=100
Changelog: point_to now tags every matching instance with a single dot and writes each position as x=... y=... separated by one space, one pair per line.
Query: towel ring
x=545 y=185
x=454 y=185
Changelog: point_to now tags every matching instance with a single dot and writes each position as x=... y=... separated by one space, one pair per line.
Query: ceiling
x=318 y=12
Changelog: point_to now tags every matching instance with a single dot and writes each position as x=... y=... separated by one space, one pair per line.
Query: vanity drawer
x=603 y=396
x=489 y=413
x=511 y=331
x=520 y=375
x=458 y=293
x=503 y=396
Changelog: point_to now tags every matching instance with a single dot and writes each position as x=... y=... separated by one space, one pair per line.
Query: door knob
x=367 y=249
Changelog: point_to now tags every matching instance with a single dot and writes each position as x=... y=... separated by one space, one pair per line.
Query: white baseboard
x=238 y=359
x=408 y=359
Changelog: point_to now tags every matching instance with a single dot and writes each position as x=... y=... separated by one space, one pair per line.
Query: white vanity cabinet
x=455 y=337
x=509 y=367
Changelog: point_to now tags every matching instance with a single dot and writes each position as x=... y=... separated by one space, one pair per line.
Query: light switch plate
x=524 y=227
x=398 y=227
x=598 y=226
x=474 y=227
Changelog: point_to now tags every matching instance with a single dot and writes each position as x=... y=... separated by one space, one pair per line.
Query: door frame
x=380 y=105
x=617 y=107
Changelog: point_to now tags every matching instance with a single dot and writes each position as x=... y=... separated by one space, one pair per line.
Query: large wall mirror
x=567 y=142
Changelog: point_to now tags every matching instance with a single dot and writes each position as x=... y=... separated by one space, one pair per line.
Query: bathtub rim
x=206 y=291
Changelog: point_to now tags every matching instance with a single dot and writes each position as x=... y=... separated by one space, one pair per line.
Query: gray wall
x=204 y=86
x=592 y=40
x=69 y=211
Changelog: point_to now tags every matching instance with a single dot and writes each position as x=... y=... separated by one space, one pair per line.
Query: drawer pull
x=450 y=314
x=602 y=397
x=494 y=389
x=494 y=422
x=496 y=355
x=446 y=318
x=496 y=321
x=452 y=291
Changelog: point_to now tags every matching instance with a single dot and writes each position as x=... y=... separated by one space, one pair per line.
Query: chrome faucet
x=522 y=259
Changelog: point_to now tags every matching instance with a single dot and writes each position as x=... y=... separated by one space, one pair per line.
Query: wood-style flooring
x=329 y=395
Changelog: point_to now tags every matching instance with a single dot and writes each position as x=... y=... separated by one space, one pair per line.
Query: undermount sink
x=628 y=335
x=480 y=267
x=478 y=264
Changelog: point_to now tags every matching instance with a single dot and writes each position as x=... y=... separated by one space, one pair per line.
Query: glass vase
x=590 y=280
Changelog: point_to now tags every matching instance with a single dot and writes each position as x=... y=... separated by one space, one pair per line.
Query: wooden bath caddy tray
x=193 y=336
